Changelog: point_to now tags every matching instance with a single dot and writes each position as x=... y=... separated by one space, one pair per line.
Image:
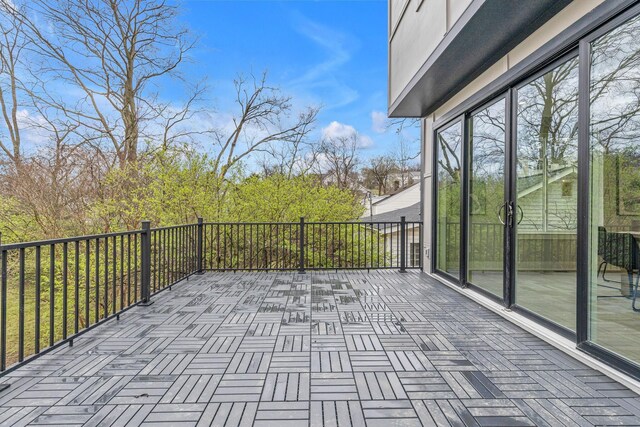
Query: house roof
x=529 y=184
x=411 y=214
x=397 y=193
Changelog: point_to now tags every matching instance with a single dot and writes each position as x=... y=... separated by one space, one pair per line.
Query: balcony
x=342 y=341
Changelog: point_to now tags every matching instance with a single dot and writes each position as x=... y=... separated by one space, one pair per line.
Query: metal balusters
x=21 y=307
x=155 y=244
x=87 y=282
x=3 y=311
x=200 y=247
x=76 y=287
x=403 y=245
x=105 y=303
x=164 y=257
x=114 y=276
x=37 y=301
x=121 y=273
x=135 y=267
x=52 y=300
x=174 y=254
x=128 y=269
x=146 y=262
x=65 y=291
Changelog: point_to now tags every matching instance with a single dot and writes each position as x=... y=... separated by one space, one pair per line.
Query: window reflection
x=486 y=196
x=449 y=143
x=546 y=175
x=615 y=189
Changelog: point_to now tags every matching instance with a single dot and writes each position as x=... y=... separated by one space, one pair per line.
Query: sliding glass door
x=449 y=190
x=545 y=205
x=487 y=141
x=538 y=194
x=614 y=184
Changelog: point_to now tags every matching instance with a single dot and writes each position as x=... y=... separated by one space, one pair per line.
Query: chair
x=621 y=250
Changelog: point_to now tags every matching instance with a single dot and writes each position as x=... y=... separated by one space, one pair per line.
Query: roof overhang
x=486 y=31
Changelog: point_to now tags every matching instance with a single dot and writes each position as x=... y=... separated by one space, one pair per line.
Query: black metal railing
x=51 y=291
x=312 y=245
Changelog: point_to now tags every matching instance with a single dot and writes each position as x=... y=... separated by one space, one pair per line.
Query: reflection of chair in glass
x=621 y=250
x=602 y=249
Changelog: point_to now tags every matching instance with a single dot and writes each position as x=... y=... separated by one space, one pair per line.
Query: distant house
x=548 y=204
x=399 y=200
x=388 y=212
x=398 y=180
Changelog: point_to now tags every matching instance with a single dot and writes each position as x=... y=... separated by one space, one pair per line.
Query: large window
x=449 y=149
x=614 y=224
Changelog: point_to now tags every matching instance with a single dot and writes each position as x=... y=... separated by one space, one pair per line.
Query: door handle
x=521 y=214
x=508 y=207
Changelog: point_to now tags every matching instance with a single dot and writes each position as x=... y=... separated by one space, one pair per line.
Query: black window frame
x=575 y=40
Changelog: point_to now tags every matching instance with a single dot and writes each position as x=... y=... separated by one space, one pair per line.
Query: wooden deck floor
x=320 y=349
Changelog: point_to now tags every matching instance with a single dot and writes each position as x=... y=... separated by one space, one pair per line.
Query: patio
x=319 y=349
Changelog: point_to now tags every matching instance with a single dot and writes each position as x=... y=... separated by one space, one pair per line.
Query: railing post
x=200 y=245
x=146 y=263
x=403 y=245
x=301 y=243
x=3 y=309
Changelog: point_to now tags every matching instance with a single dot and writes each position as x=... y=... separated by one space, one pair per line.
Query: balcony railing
x=51 y=291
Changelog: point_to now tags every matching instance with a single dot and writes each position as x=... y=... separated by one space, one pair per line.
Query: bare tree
x=378 y=172
x=176 y=124
x=112 y=51
x=263 y=121
x=56 y=184
x=12 y=44
x=338 y=157
x=405 y=155
x=292 y=159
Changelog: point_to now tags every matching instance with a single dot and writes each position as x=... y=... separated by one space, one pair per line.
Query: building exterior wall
x=548 y=31
x=412 y=20
x=534 y=130
x=392 y=239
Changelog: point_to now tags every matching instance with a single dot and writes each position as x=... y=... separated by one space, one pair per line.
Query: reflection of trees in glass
x=615 y=88
x=548 y=119
x=449 y=161
x=615 y=124
x=487 y=162
x=449 y=146
x=547 y=130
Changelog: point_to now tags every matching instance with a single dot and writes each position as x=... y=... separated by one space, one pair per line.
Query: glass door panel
x=487 y=137
x=449 y=150
x=546 y=194
x=614 y=163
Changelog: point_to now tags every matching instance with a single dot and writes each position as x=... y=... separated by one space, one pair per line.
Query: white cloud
x=338 y=130
x=364 y=141
x=341 y=130
x=34 y=129
x=378 y=121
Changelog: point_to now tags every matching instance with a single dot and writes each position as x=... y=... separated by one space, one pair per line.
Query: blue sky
x=329 y=53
